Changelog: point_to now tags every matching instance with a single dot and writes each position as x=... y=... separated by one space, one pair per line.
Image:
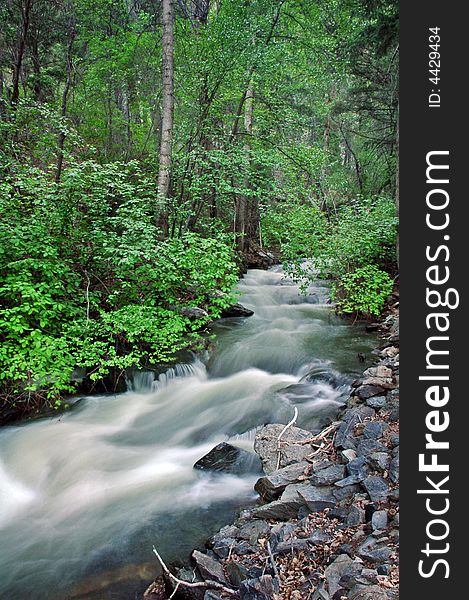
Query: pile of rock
x=328 y=525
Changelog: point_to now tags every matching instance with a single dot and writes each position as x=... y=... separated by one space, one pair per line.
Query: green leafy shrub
x=85 y=280
x=363 y=292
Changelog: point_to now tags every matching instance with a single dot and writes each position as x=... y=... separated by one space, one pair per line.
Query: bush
x=86 y=281
x=363 y=292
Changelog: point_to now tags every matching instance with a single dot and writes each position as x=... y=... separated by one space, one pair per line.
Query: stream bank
x=326 y=526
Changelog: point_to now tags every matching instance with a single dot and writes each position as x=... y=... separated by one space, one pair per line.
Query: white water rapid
x=85 y=495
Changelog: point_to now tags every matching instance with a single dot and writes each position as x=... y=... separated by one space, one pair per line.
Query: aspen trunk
x=164 y=174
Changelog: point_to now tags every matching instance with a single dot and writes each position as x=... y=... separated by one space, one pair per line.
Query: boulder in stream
x=236 y=310
x=226 y=458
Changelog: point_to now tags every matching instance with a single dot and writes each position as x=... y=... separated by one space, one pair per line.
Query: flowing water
x=85 y=495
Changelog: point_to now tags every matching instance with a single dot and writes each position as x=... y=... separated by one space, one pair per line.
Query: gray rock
x=236 y=572
x=286 y=507
x=379 y=461
x=328 y=476
x=356 y=516
x=366 y=446
x=349 y=455
x=193 y=312
x=253 y=530
x=319 y=538
x=379 y=520
x=261 y=588
x=223 y=547
x=316 y=498
x=385 y=383
x=212 y=595
x=368 y=391
x=367 y=592
x=342 y=566
x=379 y=371
x=229 y=459
x=358 y=469
x=374 y=550
x=292 y=449
x=394 y=469
x=270 y=487
x=281 y=532
x=376 y=402
x=208 y=567
x=374 y=430
x=345 y=493
x=236 y=310
x=376 y=487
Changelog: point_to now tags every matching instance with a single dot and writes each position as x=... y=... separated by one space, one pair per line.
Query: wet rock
x=379 y=520
x=261 y=588
x=226 y=458
x=208 y=567
x=236 y=310
x=386 y=383
x=272 y=486
x=376 y=487
x=293 y=449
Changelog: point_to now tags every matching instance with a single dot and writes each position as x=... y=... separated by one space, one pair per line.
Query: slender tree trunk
x=63 y=109
x=164 y=174
x=26 y=15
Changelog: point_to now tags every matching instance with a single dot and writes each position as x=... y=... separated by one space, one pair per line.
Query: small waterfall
x=145 y=381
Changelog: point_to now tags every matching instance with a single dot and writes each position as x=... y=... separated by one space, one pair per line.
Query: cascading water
x=84 y=496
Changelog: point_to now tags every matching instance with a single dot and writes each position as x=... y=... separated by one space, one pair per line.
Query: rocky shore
x=327 y=523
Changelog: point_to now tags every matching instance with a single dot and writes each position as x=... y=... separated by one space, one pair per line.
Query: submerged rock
x=226 y=458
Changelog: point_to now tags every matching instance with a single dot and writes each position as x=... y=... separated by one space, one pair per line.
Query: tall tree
x=164 y=173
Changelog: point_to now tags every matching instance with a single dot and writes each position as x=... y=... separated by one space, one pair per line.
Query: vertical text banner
x=434 y=246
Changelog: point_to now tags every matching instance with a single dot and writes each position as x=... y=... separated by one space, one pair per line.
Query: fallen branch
x=196 y=584
x=292 y=422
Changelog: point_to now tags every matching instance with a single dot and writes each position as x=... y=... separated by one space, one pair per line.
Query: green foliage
x=363 y=291
x=297 y=230
x=86 y=281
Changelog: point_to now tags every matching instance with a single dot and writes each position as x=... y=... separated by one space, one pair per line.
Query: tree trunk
x=25 y=14
x=164 y=174
x=63 y=109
